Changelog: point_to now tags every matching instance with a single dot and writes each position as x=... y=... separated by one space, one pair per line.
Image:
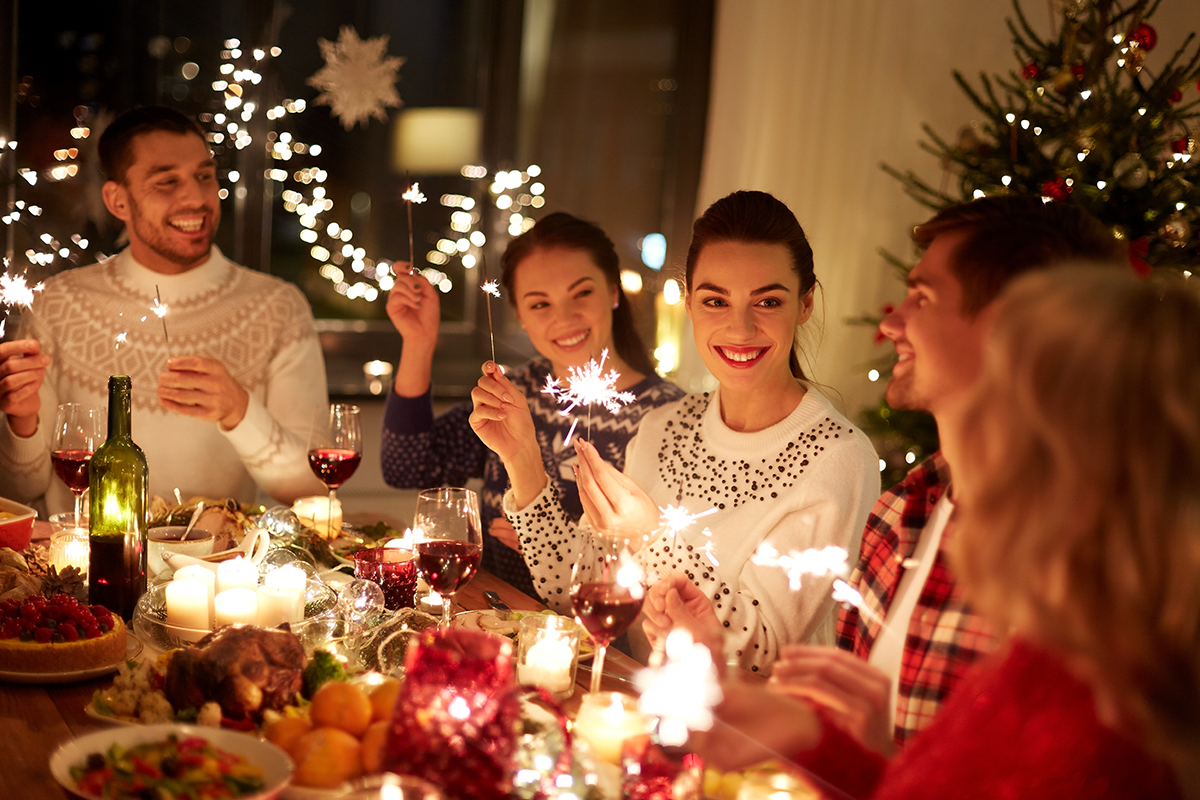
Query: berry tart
x=58 y=634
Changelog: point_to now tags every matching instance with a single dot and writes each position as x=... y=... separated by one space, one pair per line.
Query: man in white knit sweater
x=226 y=406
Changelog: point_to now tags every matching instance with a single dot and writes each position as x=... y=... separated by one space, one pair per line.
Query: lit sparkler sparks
x=490 y=287
x=845 y=593
x=683 y=691
x=15 y=291
x=586 y=386
x=826 y=561
x=677 y=518
x=410 y=196
x=121 y=338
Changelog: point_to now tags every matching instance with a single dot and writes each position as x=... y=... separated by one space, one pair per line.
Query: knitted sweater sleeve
x=272 y=439
x=550 y=543
x=419 y=451
x=25 y=472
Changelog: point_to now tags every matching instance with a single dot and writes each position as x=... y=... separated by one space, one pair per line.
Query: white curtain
x=809 y=96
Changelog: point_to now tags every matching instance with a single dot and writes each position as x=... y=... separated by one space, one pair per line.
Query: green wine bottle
x=117 y=480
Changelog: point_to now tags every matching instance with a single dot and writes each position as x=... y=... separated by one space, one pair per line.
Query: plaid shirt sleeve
x=944 y=635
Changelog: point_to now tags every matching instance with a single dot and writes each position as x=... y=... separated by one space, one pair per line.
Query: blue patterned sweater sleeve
x=419 y=451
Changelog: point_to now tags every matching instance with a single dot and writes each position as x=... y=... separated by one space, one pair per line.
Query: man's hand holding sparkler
x=502 y=421
x=203 y=388
x=855 y=695
x=676 y=602
x=610 y=499
x=754 y=724
x=415 y=311
x=22 y=370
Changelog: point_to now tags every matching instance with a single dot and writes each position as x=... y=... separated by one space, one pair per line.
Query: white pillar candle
x=194 y=572
x=278 y=604
x=187 y=607
x=606 y=720
x=236 y=605
x=236 y=574
x=315 y=512
x=547 y=664
x=287 y=577
x=70 y=548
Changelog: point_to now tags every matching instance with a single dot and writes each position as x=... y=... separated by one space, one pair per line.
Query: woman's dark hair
x=563 y=230
x=755 y=218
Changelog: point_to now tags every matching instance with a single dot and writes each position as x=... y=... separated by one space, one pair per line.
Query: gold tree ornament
x=358 y=80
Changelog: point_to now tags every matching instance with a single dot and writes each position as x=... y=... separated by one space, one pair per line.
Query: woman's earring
x=617 y=303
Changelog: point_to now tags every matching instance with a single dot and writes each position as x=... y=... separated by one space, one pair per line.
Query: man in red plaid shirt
x=896 y=665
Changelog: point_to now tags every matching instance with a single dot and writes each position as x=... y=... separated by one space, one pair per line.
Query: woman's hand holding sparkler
x=502 y=421
x=415 y=311
x=856 y=695
x=676 y=602
x=202 y=387
x=22 y=370
x=611 y=500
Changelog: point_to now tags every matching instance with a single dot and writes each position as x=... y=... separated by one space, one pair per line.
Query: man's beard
x=156 y=238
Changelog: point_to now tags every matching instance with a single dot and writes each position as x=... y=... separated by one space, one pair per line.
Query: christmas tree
x=1085 y=117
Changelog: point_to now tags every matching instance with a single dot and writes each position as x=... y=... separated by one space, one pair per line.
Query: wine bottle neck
x=120 y=391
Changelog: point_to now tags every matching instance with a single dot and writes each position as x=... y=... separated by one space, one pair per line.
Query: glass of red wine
x=78 y=430
x=335 y=449
x=447 y=541
x=607 y=591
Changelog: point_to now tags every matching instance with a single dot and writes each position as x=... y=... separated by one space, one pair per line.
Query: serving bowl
x=16 y=531
x=275 y=764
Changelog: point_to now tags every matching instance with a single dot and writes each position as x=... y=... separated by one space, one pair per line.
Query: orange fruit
x=286 y=731
x=383 y=699
x=374 y=747
x=341 y=705
x=325 y=758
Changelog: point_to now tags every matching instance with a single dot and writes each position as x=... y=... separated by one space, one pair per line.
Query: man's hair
x=1079 y=497
x=116 y=143
x=1004 y=237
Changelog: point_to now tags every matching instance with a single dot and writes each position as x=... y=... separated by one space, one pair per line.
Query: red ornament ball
x=1056 y=189
x=1030 y=71
x=1077 y=71
x=1145 y=36
x=1175 y=96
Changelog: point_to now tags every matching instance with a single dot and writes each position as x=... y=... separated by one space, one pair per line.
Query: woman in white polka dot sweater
x=772 y=455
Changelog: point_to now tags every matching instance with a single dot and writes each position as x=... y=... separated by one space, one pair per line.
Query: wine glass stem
x=331 y=534
x=598 y=667
x=78 y=508
x=447 y=602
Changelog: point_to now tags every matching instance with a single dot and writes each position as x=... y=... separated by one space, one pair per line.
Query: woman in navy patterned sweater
x=563 y=279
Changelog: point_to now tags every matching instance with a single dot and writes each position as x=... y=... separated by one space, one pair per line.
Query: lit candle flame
x=683 y=691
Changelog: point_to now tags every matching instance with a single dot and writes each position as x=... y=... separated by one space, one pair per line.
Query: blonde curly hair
x=1079 y=490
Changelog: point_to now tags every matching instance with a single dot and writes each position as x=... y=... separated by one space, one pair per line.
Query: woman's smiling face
x=745 y=304
x=565 y=305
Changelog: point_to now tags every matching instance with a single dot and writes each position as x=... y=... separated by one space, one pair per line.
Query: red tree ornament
x=1077 y=71
x=1175 y=96
x=1145 y=36
x=1030 y=72
x=1056 y=189
x=1138 y=249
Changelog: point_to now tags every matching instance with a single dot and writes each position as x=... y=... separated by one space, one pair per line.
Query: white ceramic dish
x=275 y=764
x=133 y=648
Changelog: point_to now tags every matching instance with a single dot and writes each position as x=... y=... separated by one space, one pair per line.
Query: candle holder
x=606 y=720
x=548 y=653
x=394 y=570
x=70 y=548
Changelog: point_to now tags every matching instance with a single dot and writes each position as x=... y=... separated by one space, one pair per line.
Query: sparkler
x=826 y=561
x=15 y=291
x=588 y=385
x=160 y=311
x=410 y=196
x=683 y=691
x=491 y=290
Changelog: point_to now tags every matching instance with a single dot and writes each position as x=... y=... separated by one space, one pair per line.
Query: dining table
x=36 y=718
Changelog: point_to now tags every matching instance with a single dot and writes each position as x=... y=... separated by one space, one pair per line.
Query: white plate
x=133 y=647
x=275 y=764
